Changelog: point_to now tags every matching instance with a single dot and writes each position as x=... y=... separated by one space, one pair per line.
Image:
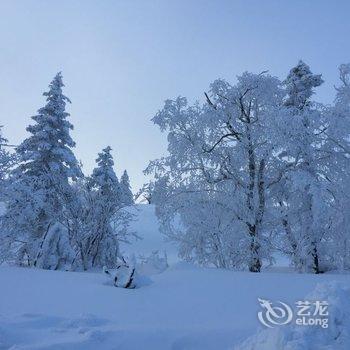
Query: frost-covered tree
x=40 y=184
x=127 y=196
x=105 y=221
x=342 y=100
x=214 y=189
x=258 y=167
x=300 y=85
x=7 y=160
x=337 y=143
x=145 y=193
x=106 y=199
x=304 y=197
x=49 y=147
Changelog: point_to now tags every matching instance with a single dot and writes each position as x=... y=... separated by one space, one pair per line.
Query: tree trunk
x=255 y=262
x=315 y=259
x=293 y=244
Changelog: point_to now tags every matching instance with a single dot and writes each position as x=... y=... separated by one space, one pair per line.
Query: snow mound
x=294 y=337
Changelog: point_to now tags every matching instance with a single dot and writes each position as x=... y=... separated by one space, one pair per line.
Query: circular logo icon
x=272 y=315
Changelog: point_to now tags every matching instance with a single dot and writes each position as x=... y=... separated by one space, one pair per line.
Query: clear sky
x=121 y=59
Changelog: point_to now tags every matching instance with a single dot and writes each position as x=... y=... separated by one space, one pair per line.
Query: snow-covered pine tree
x=127 y=196
x=104 y=178
x=101 y=243
x=40 y=188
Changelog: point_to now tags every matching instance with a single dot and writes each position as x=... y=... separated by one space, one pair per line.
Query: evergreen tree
x=127 y=196
x=40 y=184
x=104 y=178
x=105 y=198
x=49 y=148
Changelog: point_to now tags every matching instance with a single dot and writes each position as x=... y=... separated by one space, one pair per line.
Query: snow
x=147 y=227
x=294 y=337
x=184 y=307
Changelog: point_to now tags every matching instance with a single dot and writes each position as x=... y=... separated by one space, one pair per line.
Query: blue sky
x=121 y=59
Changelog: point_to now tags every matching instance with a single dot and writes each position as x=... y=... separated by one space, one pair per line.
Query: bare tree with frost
x=215 y=186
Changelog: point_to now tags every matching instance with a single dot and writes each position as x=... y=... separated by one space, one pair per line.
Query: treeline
x=55 y=217
x=259 y=168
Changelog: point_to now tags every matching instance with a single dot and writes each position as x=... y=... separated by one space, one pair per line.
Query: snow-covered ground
x=183 y=308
